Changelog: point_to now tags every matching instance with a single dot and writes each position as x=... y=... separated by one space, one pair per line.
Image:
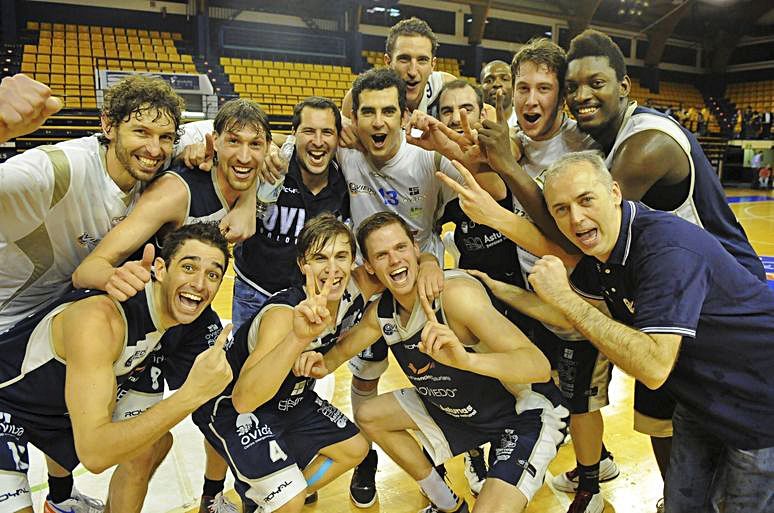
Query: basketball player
x=69 y=398
x=289 y=442
x=460 y=399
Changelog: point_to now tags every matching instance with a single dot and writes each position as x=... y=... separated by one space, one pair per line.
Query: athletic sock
x=213 y=487
x=59 y=488
x=358 y=397
x=588 y=478
x=438 y=491
x=605 y=453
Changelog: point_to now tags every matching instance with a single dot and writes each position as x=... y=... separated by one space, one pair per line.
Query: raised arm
x=283 y=334
x=90 y=386
x=164 y=202
x=505 y=352
x=25 y=104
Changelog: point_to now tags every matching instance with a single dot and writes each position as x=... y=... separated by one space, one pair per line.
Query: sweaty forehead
x=318 y=118
x=497 y=69
x=379 y=98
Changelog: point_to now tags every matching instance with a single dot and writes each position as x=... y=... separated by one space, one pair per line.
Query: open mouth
x=242 y=172
x=412 y=85
x=379 y=140
x=147 y=163
x=399 y=275
x=316 y=157
x=588 y=237
x=189 y=301
x=531 y=118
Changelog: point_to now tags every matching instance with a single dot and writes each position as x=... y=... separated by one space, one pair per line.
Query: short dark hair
x=319 y=230
x=315 y=102
x=376 y=221
x=410 y=27
x=239 y=113
x=208 y=233
x=136 y=94
x=377 y=79
x=496 y=61
x=542 y=51
x=593 y=43
x=460 y=83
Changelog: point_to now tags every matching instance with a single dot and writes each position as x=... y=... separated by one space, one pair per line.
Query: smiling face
x=378 y=120
x=412 y=59
x=394 y=259
x=316 y=140
x=191 y=280
x=140 y=144
x=496 y=76
x=595 y=97
x=330 y=259
x=454 y=101
x=537 y=99
x=240 y=154
x=586 y=210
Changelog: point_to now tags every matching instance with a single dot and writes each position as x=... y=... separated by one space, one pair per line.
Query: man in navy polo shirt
x=665 y=280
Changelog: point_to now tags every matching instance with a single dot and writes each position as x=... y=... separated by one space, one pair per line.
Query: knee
x=294 y=505
x=367 y=417
x=142 y=466
x=356 y=450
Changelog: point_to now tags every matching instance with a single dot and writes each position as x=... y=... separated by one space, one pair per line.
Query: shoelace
x=222 y=505
x=94 y=504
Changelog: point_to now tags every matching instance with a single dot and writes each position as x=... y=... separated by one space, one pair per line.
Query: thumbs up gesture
x=130 y=278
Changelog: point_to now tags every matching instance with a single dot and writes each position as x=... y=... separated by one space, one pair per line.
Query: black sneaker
x=310 y=499
x=362 y=488
x=475 y=470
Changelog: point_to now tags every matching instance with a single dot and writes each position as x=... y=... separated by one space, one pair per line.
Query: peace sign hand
x=311 y=316
x=439 y=342
x=477 y=204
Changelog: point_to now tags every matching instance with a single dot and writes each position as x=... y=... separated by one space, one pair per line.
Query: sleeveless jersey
x=406 y=185
x=56 y=204
x=205 y=199
x=472 y=398
x=32 y=376
x=292 y=390
x=433 y=88
x=705 y=204
x=538 y=155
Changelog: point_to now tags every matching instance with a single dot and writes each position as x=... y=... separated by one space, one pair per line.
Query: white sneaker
x=78 y=503
x=568 y=481
x=220 y=504
x=475 y=470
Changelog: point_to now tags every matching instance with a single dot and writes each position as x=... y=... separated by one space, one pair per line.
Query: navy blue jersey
x=267 y=260
x=293 y=388
x=700 y=198
x=478 y=400
x=666 y=275
x=32 y=377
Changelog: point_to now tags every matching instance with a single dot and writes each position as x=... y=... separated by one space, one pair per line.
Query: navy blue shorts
x=584 y=376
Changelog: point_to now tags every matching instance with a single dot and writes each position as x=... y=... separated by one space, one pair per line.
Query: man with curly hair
x=57 y=202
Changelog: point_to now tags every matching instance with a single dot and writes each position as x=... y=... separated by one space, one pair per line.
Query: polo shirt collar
x=620 y=253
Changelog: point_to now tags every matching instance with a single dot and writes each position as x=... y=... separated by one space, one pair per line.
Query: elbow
x=95 y=461
x=655 y=378
x=242 y=402
x=78 y=279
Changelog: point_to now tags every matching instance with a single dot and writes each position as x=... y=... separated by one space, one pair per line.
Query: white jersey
x=538 y=155
x=513 y=121
x=432 y=90
x=406 y=185
x=56 y=204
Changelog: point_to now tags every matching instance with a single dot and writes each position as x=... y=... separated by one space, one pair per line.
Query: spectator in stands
x=704 y=120
x=764 y=177
x=496 y=76
x=692 y=119
x=746 y=122
x=766 y=118
x=738 y=123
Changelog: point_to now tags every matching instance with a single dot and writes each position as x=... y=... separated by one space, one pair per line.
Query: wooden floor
x=639 y=485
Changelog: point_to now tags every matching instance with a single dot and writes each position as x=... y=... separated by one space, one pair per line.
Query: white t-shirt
x=406 y=185
x=56 y=204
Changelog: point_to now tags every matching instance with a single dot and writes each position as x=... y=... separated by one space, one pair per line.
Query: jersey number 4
x=275 y=453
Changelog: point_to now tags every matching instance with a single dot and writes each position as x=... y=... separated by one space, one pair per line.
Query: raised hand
x=25 y=104
x=210 y=372
x=477 y=204
x=349 y=137
x=200 y=155
x=549 y=280
x=275 y=165
x=310 y=364
x=439 y=342
x=131 y=277
x=495 y=139
x=311 y=316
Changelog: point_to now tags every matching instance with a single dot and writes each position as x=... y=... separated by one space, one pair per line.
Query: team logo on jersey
x=629 y=305
x=250 y=431
x=87 y=241
x=416 y=212
x=333 y=413
x=420 y=370
x=413 y=191
x=389 y=329
x=274 y=493
x=356 y=188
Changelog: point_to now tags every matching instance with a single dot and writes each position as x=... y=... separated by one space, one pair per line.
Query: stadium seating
x=758 y=95
x=66 y=56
